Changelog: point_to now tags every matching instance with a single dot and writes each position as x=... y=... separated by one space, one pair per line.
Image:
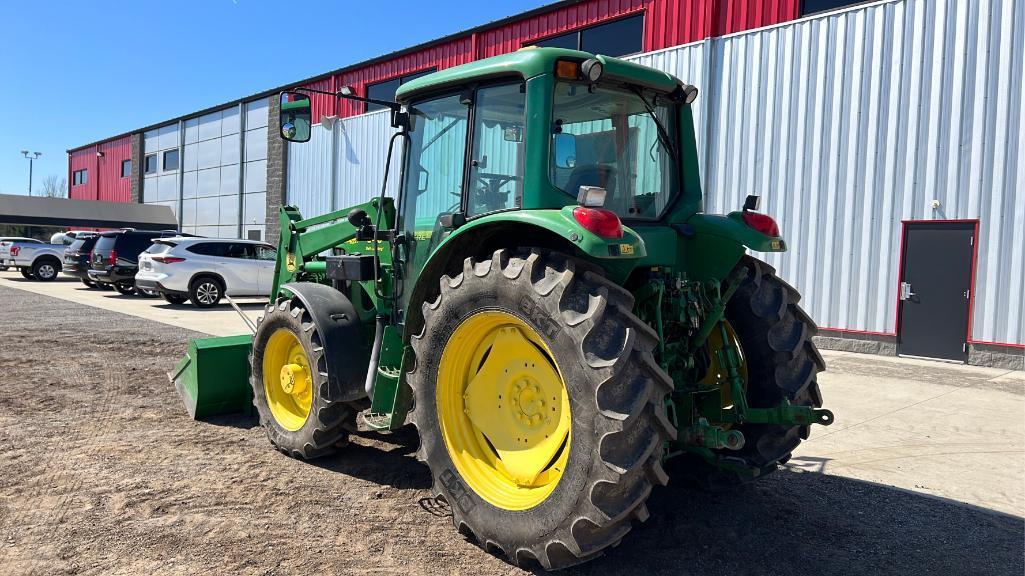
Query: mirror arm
x=393 y=106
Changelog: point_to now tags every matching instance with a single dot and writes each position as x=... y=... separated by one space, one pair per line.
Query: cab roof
x=530 y=62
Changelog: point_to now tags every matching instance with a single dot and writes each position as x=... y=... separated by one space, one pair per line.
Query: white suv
x=204 y=269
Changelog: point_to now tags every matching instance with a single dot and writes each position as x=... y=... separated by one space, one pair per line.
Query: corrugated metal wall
x=847 y=124
x=851 y=122
x=316 y=185
x=103 y=181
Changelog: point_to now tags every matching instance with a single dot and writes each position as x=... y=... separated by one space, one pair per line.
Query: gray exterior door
x=935 y=289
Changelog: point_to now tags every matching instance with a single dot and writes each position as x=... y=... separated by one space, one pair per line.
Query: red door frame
x=971 y=285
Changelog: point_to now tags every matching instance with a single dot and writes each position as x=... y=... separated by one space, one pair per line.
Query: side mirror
x=296 y=117
x=564 y=150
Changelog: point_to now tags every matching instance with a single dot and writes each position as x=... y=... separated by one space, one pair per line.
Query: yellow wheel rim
x=503 y=410
x=287 y=379
x=716 y=373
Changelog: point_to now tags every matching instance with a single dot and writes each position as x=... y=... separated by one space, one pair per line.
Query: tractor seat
x=592 y=175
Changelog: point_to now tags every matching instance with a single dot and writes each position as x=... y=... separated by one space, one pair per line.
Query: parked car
x=115 y=258
x=77 y=259
x=203 y=270
x=12 y=239
x=67 y=238
x=35 y=259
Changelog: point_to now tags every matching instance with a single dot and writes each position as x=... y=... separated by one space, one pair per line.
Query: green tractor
x=545 y=302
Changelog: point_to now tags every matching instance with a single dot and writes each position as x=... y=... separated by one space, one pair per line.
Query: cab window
x=496 y=165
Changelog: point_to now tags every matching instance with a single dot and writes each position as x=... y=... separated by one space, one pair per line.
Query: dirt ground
x=102 y=472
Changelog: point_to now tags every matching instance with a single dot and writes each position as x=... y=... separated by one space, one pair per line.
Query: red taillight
x=113 y=257
x=762 y=223
x=15 y=250
x=166 y=259
x=602 y=222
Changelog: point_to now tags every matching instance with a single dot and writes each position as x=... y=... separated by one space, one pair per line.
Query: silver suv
x=203 y=270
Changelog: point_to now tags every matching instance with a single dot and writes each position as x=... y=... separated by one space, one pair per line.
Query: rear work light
x=602 y=222
x=166 y=259
x=762 y=223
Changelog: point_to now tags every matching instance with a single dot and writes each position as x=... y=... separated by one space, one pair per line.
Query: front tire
x=291 y=391
x=88 y=283
x=581 y=325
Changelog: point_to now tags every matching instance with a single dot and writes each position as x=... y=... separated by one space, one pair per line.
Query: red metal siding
x=103 y=180
x=667 y=23
x=736 y=16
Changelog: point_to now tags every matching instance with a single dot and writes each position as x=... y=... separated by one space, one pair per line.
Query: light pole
x=30 y=160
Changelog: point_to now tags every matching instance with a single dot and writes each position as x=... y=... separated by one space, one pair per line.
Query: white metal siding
x=851 y=122
x=847 y=124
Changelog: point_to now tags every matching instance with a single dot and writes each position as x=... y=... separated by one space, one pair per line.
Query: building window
x=616 y=38
x=170 y=160
x=150 y=166
x=79 y=177
x=386 y=90
x=816 y=6
x=126 y=168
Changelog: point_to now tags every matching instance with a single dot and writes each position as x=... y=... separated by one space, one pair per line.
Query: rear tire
x=616 y=390
x=124 y=289
x=89 y=283
x=775 y=337
x=206 y=291
x=46 y=270
x=147 y=293
x=27 y=273
x=175 y=299
x=327 y=419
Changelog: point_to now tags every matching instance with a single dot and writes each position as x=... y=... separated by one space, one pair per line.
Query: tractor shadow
x=387 y=459
x=796 y=522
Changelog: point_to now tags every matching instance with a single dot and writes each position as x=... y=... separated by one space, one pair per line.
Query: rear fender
x=547 y=229
x=714 y=244
x=347 y=351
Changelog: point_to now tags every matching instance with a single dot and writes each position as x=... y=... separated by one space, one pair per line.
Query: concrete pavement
x=949 y=431
x=221 y=320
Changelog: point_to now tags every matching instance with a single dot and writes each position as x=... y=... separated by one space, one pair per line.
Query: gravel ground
x=104 y=473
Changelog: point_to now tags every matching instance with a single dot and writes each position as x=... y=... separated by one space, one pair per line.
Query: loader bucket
x=213 y=377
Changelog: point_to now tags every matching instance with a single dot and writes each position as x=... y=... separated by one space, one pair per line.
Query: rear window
x=76 y=246
x=105 y=243
x=160 y=247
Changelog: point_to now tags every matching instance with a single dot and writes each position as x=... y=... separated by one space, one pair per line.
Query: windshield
x=619 y=140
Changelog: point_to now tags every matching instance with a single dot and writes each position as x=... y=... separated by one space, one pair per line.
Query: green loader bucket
x=213 y=377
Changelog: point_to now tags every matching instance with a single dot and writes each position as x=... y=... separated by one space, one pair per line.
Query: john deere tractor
x=545 y=302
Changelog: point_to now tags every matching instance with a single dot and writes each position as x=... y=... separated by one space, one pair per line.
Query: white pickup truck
x=37 y=261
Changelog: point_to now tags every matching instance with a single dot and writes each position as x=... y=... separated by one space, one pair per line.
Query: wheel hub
x=504 y=410
x=294 y=379
x=287 y=380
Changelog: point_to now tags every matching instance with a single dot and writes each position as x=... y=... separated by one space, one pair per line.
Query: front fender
x=347 y=353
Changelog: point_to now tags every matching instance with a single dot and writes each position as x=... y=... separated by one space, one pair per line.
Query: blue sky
x=74 y=72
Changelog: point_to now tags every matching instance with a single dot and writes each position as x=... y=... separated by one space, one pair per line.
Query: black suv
x=115 y=258
x=77 y=258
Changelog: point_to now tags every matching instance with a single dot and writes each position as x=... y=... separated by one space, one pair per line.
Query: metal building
x=885 y=138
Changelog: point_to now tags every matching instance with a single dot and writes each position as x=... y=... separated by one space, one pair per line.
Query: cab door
x=435 y=173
